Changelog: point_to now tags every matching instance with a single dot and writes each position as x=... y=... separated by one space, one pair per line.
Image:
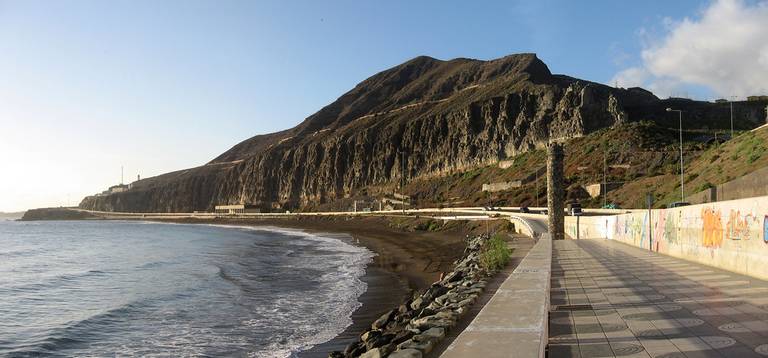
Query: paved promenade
x=612 y=300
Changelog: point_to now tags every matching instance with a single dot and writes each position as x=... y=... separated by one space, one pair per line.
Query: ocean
x=126 y=288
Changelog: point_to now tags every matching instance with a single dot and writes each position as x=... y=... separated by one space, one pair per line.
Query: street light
x=402 y=179
x=682 y=181
x=731 y=103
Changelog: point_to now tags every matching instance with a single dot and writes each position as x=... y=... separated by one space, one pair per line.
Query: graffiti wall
x=732 y=235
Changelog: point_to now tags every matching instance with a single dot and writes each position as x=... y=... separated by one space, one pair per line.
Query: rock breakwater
x=416 y=326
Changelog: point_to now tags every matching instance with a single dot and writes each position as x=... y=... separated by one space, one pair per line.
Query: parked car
x=678 y=204
x=574 y=209
x=524 y=210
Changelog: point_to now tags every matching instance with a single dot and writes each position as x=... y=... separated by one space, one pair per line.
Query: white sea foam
x=342 y=288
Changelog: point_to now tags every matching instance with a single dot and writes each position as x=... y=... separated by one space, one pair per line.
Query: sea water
x=117 y=288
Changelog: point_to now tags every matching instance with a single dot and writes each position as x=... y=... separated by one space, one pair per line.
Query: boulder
x=437 y=333
x=423 y=346
x=354 y=349
x=428 y=322
x=379 y=341
x=417 y=303
x=370 y=334
x=446 y=314
x=403 y=336
x=461 y=311
x=383 y=320
x=373 y=353
x=406 y=353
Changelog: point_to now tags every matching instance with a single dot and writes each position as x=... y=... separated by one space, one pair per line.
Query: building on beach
x=236 y=209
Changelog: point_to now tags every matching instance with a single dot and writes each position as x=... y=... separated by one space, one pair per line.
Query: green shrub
x=430 y=225
x=495 y=254
x=753 y=157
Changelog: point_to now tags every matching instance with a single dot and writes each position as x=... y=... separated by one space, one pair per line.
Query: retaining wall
x=731 y=235
x=747 y=186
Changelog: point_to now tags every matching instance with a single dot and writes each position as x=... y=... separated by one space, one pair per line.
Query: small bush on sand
x=495 y=254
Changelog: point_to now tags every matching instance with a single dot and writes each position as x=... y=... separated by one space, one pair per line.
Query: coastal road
x=613 y=300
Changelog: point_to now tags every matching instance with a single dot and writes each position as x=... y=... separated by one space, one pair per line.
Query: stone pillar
x=555 y=191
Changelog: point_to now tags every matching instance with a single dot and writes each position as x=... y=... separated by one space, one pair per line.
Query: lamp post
x=682 y=181
x=731 y=103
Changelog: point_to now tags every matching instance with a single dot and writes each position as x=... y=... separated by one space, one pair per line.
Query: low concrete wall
x=514 y=323
x=751 y=185
x=703 y=197
x=731 y=235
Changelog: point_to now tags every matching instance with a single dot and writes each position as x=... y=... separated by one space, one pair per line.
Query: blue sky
x=88 y=86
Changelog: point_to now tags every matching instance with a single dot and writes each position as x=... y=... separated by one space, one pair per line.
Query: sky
x=88 y=87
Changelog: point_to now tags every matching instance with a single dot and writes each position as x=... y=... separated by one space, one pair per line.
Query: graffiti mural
x=671 y=227
x=765 y=229
x=712 y=228
x=738 y=225
x=732 y=235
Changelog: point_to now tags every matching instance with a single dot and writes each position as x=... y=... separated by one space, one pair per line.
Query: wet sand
x=406 y=260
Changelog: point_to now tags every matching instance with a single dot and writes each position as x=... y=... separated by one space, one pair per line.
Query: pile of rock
x=415 y=327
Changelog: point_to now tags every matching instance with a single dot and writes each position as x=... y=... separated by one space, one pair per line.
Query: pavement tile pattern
x=613 y=300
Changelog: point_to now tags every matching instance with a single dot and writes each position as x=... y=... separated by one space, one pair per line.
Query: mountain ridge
x=447 y=115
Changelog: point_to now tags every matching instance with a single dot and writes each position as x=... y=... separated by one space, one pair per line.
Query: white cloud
x=725 y=49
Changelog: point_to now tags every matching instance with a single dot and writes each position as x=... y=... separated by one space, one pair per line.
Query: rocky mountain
x=425 y=117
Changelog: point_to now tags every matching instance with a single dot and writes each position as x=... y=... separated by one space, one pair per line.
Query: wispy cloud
x=725 y=48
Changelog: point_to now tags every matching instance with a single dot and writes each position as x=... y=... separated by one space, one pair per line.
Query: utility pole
x=487 y=221
x=682 y=171
x=731 y=103
x=537 y=187
x=402 y=180
x=121 y=175
x=605 y=178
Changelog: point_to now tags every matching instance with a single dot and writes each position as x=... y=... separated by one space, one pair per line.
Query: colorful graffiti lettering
x=765 y=229
x=670 y=227
x=738 y=225
x=712 y=228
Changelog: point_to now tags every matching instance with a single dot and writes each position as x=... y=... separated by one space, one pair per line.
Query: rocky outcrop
x=422 y=118
x=55 y=214
x=415 y=327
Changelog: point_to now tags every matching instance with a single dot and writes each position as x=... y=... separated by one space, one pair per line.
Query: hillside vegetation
x=639 y=158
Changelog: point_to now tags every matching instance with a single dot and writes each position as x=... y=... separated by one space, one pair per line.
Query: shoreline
x=405 y=261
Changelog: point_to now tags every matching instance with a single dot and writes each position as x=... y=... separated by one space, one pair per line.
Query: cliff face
x=424 y=117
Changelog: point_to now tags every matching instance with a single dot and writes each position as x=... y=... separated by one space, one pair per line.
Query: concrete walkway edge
x=514 y=323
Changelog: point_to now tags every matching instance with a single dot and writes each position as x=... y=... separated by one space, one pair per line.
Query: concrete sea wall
x=731 y=235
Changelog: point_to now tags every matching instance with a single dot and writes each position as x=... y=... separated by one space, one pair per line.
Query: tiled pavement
x=649 y=305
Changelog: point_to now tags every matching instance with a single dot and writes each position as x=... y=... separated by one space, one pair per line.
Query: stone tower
x=555 y=191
